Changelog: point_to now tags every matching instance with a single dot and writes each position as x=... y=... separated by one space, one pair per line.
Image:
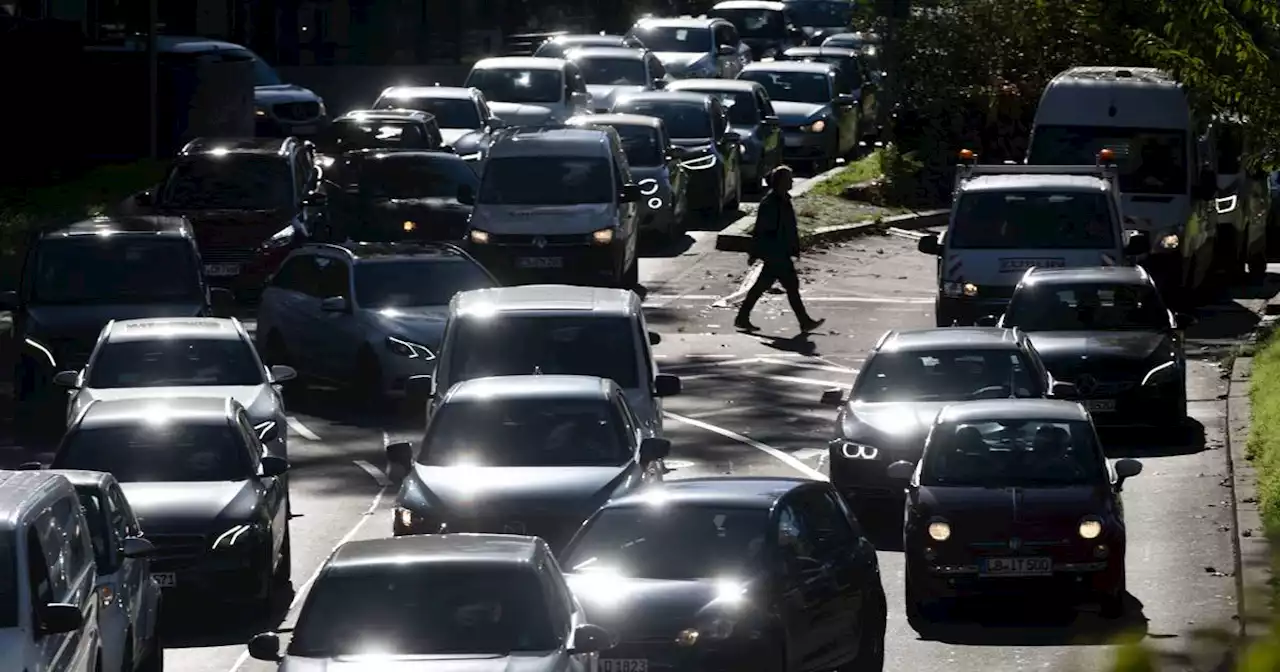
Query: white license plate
x=304 y=130
x=1100 y=405
x=1017 y=567
x=624 y=665
x=221 y=270
x=166 y=579
x=540 y=262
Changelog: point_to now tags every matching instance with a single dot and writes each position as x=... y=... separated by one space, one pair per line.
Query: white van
x=1168 y=186
x=1006 y=219
x=48 y=604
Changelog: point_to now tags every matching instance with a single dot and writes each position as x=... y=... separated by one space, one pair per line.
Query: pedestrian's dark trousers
x=776 y=270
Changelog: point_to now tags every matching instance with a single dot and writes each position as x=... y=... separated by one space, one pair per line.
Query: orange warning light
x=1106 y=156
x=966 y=155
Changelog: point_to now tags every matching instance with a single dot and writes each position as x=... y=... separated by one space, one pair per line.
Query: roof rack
x=969 y=168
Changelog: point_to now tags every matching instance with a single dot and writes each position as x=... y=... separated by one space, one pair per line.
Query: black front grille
x=177 y=551
x=304 y=111
x=523 y=240
x=221 y=254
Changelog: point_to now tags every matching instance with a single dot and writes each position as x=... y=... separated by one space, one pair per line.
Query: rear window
x=547 y=180
x=998 y=220
x=345 y=135
x=518 y=345
x=684 y=121
x=88 y=270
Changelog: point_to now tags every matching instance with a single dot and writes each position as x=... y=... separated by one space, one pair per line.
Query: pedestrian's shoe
x=744 y=324
x=811 y=324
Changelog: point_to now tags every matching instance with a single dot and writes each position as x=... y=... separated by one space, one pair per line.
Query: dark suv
x=77 y=278
x=250 y=200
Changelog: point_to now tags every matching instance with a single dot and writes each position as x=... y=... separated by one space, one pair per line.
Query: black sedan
x=751 y=116
x=1107 y=331
x=203 y=486
x=731 y=574
x=402 y=196
x=699 y=124
x=522 y=455
x=1014 y=498
x=374 y=129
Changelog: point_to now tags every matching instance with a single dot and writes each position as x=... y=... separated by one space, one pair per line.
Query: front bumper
x=525 y=263
x=1077 y=575
x=798 y=145
x=198 y=571
x=739 y=652
x=555 y=530
x=1128 y=403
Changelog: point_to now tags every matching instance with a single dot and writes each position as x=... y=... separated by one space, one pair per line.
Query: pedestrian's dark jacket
x=775 y=236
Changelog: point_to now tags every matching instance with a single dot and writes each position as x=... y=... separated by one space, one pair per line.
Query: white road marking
x=731 y=408
x=905 y=233
x=707 y=365
x=723 y=302
x=801 y=381
x=782 y=456
x=301 y=429
x=374 y=472
x=747 y=280
x=809 y=453
x=806 y=365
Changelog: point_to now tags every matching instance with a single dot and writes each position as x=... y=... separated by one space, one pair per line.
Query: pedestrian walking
x=775 y=240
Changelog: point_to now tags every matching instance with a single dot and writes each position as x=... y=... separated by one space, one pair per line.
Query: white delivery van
x=1008 y=218
x=1168 y=186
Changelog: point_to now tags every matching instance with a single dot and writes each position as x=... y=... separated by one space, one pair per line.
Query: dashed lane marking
x=301 y=429
x=807 y=365
x=731 y=409
x=375 y=473
x=780 y=455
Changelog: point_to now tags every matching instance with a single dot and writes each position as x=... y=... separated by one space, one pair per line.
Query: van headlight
x=1169 y=241
x=479 y=237
x=816 y=127
x=1165 y=373
x=1090 y=527
x=602 y=237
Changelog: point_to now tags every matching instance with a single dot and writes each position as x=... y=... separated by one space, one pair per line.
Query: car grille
x=1110 y=376
x=224 y=254
x=304 y=111
x=522 y=240
x=176 y=551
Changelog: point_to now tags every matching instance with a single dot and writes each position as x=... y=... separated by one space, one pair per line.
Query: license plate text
x=166 y=579
x=1017 y=567
x=624 y=665
x=221 y=270
x=540 y=262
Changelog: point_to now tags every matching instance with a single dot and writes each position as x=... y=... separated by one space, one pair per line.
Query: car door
x=289 y=311
x=772 y=139
x=340 y=335
x=725 y=146
x=273 y=489
x=807 y=590
x=138 y=592
x=855 y=567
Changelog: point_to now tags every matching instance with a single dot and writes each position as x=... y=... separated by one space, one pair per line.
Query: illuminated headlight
x=409 y=226
x=407 y=348
x=858 y=451
x=1165 y=373
x=236 y=537
x=259 y=111
x=1090 y=527
x=816 y=127
x=479 y=237
x=1170 y=241
x=939 y=530
x=1226 y=204
x=405 y=517
x=281 y=238
x=969 y=289
x=602 y=237
x=687 y=637
x=326 y=161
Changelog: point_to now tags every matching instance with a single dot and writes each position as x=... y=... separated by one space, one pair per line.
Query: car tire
x=875 y=617
x=631 y=276
x=922 y=608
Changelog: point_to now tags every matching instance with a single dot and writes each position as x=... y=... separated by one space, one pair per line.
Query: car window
x=516 y=85
x=630 y=424
x=526 y=433
x=448 y=112
x=53 y=543
x=682 y=120
x=946 y=375
x=170 y=362
x=561 y=613
x=794 y=87
x=96 y=513
x=417 y=282
x=547 y=180
x=406 y=177
x=345 y=135
x=515 y=345
x=39 y=574
x=69 y=518
x=794 y=537
x=765 y=104
x=121 y=505
x=235 y=181
x=335 y=277
x=86 y=270
x=656 y=71
x=1013 y=453
x=612 y=71
x=1033 y=220
x=832 y=534
x=299 y=274
x=249 y=439
x=641 y=145
x=1151 y=161
x=675 y=38
x=173 y=452
x=1087 y=307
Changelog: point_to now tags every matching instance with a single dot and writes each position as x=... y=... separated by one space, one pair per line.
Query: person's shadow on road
x=800 y=343
x=1029 y=623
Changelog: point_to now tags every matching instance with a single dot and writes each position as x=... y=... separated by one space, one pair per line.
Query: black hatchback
x=402 y=195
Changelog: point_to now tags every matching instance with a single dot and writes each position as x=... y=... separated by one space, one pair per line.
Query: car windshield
x=410 y=283
x=95 y=513
x=546 y=180
x=1022 y=220
x=402 y=177
x=449 y=112
x=515 y=85
x=821 y=13
x=171 y=362
x=793 y=87
x=161 y=452
x=754 y=22
x=8 y=580
x=409 y=609
x=1087 y=307
x=1150 y=161
x=677 y=39
x=237 y=181
x=602 y=71
x=263 y=73
x=946 y=375
x=87 y=270
x=641 y=144
x=684 y=121
x=542 y=432
x=345 y=135
x=1012 y=453
x=674 y=543
x=515 y=345
x=740 y=106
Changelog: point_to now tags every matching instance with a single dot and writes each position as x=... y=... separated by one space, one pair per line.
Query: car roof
x=129 y=225
x=385 y=115
x=587 y=37
x=1028 y=182
x=84 y=478
x=789 y=66
x=547 y=300
x=129 y=412
x=395 y=154
x=1088 y=274
x=173 y=327
x=550 y=141
x=750 y=4
x=531 y=387
x=362 y=252
x=843 y=52
x=437 y=549
x=520 y=62
x=619 y=120
x=1049 y=410
x=756 y=492
x=629 y=53
x=713 y=85
x=949 y=338
x=676 y=22
x=449 y=92
x=673 y=97
x=18 y=488
x=268 y=146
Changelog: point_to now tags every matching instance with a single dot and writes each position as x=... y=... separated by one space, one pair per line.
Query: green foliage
x=1264 y=431
x=864 y=169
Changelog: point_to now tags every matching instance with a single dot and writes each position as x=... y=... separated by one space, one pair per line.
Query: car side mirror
x=726 y=50
x=30 y=466
x=732 y=136
x=659 y=84
x=1184 y=320
x=1062 y=390
x=265 y=646
x=67 y=379
x=9 y=301
x=901 y=470
x=144 y=199
x=282 y=374
x=222 y=301
x=1139 y=243
x=589 y=638
x=466 y=195
x=653 y=449
x=654 y=338
x=136 y=547
x=273 y=466
x=988 y=321
x=771 y=119
x=335 y=304
x=314 y=200
x=929 y=245
x=58 y=618
x=666 y=385
x=630 y=193
x=1127 y=468
x=833 y=398
x=679 y=153
x=400 y=454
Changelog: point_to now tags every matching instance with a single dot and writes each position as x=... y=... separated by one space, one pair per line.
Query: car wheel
x=631 y=277
x=922 y=608
x=870 y=656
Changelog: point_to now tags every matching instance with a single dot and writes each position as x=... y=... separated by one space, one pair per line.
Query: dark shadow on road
x=665 y=249
x=1028 y=622
x=800 y=343
x=1267 y=288
x=1219 y=321
x=195 y=622
x=1137 y=442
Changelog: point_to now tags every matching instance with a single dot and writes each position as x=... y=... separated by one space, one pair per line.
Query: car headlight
x=236 y=537
x=416 y=523
x=1165 y=373
x=858 y=451
x=602 y=237
x=263 y=427
x=1090 y=527
x=479 y=237
x=259 y=111
x=1226 y=204
x=407 y=348
x=1170 y=241
x=939 y=530
x=281 y=238
x=719 y=628
x=816 y=127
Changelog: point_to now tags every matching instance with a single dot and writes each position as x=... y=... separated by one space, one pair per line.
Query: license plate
x=1100 y=405
x=166 y=579
x=624 y=665
x=304 y=130
x=1017 y=567
x=793 y=140
x=1010 y=265
x=540 y=262
x=221 y=270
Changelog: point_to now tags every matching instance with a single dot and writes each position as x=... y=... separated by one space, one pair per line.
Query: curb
x=1252 y=550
